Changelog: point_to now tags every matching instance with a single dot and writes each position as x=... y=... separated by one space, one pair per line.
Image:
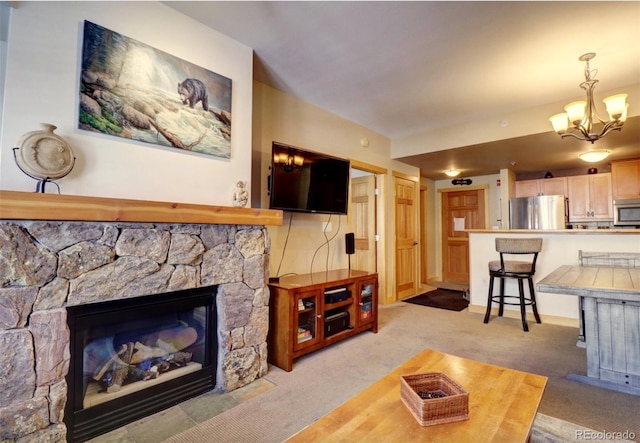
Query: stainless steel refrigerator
x=541 y=212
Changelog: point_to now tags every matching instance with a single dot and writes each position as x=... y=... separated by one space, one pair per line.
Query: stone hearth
x=46 y=266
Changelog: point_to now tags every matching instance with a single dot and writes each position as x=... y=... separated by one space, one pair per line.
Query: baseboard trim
x=545 y=318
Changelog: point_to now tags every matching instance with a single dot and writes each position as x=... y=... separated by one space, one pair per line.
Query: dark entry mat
x=441 y=298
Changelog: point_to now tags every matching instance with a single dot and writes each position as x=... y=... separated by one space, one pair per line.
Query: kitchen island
x=559 y=247
x=611 y=300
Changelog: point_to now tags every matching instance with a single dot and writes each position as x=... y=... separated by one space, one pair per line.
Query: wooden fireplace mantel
x=16 y=205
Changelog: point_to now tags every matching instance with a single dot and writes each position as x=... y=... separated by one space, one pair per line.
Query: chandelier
x=582 y=115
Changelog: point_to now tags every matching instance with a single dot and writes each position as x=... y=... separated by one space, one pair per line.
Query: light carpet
x=323 y=380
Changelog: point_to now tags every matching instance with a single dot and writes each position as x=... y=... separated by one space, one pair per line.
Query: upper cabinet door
x=553 y=186
x=543 y=186
x=578 y=198
x=600 y=196
x=527 y=188
x=590 y=197
x=625 y=179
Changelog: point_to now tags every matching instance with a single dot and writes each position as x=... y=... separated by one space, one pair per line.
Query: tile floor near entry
x=158 y=427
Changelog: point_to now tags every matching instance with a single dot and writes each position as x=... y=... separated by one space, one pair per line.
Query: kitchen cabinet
x=543 y=186
x=625 y=179
x=590 y=197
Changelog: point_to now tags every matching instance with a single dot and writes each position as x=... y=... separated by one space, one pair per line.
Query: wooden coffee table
x=502 y=406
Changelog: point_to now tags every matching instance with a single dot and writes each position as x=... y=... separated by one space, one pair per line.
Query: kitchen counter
x=556 y=231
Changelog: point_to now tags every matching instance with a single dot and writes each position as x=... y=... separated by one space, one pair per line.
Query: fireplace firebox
x=136 y=356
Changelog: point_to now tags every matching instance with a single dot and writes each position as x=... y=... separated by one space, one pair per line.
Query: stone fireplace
x=47 y=266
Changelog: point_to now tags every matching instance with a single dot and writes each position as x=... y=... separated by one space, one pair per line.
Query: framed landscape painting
x=131 y=90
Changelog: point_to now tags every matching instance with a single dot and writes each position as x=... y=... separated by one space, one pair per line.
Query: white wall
x=42 y=80
x=5 y=13
x=557 y=249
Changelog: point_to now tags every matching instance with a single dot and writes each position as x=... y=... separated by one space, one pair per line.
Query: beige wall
x=284 y=118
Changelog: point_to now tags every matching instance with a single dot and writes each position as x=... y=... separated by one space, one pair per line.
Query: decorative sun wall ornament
x=44 y=156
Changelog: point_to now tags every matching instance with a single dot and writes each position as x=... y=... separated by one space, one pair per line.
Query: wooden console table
x=502 y=406
x=611 y=303
x=310 y=311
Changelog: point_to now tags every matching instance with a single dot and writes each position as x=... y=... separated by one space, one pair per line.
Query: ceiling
x=404 y=68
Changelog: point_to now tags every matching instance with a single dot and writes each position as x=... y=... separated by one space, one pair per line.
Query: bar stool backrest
x=519 y=246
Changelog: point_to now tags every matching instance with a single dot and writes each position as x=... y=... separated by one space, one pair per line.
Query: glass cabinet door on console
x=367 y=299
x=306 y=319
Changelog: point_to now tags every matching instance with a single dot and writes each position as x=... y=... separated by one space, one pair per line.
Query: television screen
x=305 y=181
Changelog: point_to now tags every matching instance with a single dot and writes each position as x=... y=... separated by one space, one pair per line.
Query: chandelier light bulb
x=576 y=112
x=616 y=105
x=560 y=122
x=623 y=118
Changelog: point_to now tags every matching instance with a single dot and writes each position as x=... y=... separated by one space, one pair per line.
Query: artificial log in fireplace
x=134 y=357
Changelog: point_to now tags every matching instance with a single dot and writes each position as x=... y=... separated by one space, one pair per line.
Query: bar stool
x=520 y=270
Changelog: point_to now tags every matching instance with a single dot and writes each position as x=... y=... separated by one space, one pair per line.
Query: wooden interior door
x=406 y=237
x=363 y=207
x=460 y=210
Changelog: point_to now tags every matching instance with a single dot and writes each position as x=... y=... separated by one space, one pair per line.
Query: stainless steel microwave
x=626 y=212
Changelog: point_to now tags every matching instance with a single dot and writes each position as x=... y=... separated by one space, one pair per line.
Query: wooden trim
x=464 y=188
x=16 y=205
x=424 y=253
x=412 y=178
x=357 y=164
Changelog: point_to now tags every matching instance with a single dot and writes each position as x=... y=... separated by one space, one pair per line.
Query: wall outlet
x=326 y=226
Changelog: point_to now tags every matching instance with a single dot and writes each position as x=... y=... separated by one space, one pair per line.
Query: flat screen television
x=306 y=181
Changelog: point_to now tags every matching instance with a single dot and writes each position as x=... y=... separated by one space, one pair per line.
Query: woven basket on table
x=454 y=406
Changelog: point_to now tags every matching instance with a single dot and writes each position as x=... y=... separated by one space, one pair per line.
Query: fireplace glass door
x=136 y=356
